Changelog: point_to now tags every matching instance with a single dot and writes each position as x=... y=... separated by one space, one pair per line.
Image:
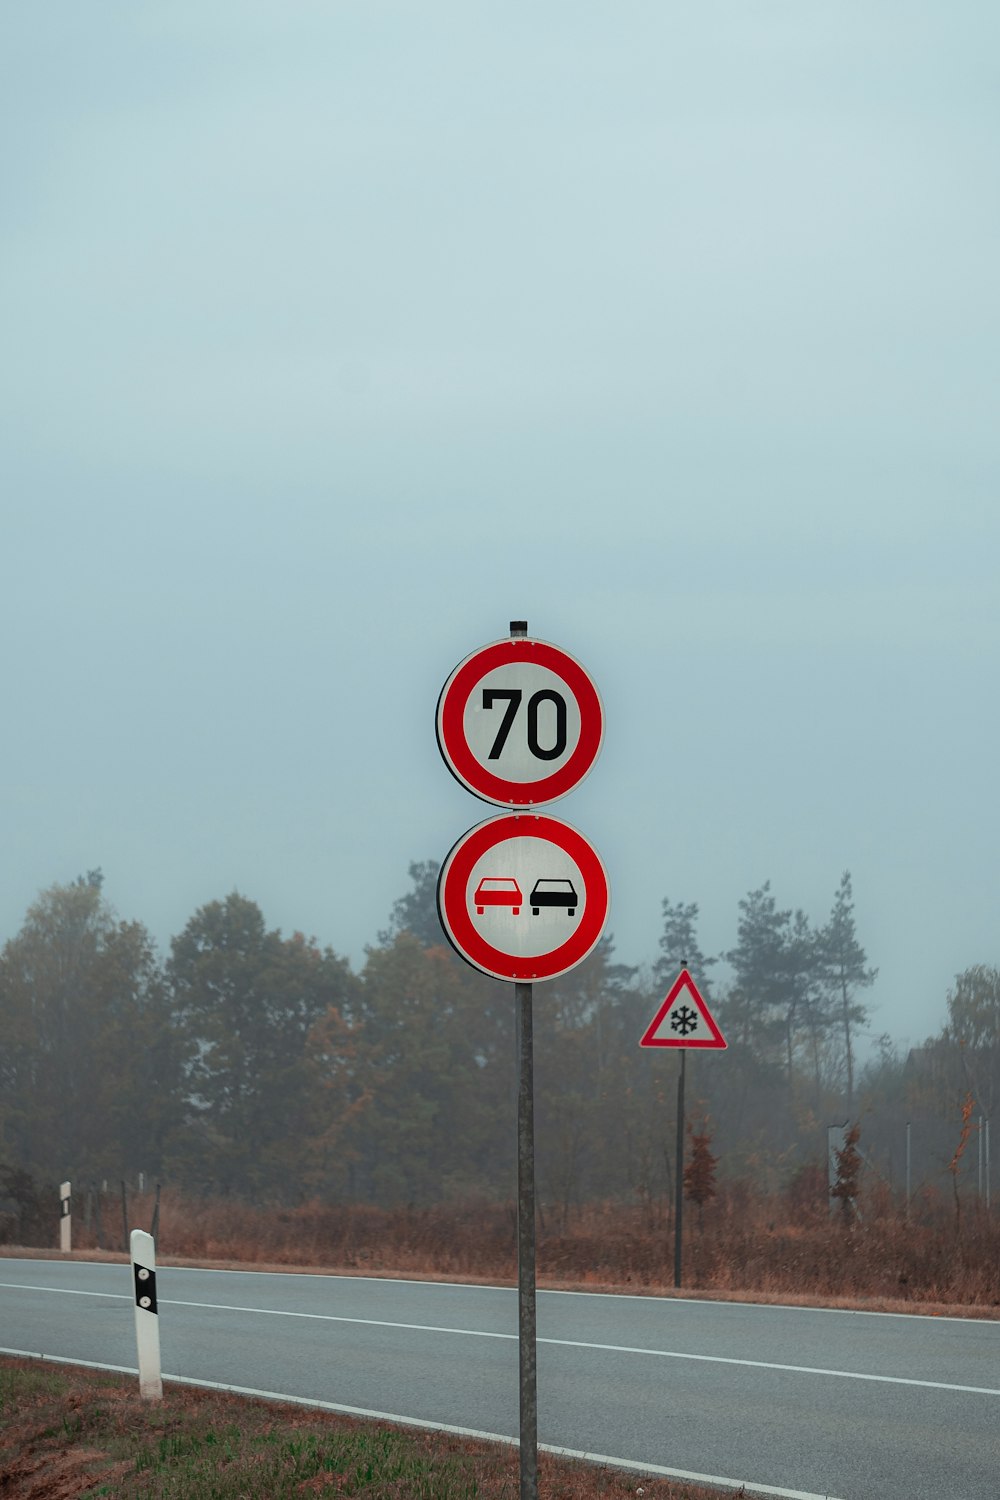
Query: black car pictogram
x=553 y=893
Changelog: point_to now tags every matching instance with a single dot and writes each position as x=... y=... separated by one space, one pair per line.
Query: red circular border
x=454 y=746
x=453 y=910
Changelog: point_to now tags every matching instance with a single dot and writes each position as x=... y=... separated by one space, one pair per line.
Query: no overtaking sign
x=523 y=896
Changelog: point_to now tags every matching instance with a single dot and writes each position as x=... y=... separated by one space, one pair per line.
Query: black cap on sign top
x=518 y=627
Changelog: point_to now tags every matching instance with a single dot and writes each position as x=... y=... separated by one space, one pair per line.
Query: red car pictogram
x=498 y=890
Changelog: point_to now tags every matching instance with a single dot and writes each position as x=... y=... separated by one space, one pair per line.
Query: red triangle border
x=683 y=982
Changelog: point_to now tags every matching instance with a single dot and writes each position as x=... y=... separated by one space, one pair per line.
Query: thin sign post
x=679 y=1184
x=526 y=1314
x=683 y=1020
x=522 y=897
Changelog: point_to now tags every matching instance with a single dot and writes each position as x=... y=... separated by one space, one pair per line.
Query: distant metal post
x=679 y=1184
x=124 y=1215
x=65 y=1218
x=836 y=1136
x=907 y=1170
x=526 y=1324
x=98 y=1228
x=147 y=1315
x=979 y=1143
x=987 y=1163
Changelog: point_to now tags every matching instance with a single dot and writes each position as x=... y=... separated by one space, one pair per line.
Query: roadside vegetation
x=785 y=1248
x=299 y=1113
x=258 y=1065
x=68 y=1433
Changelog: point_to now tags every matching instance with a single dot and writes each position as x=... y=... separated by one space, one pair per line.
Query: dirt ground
x=66 y=1429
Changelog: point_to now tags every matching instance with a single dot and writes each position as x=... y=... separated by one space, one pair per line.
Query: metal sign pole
x=526 y=1244
x=682 y=1021
x=679 y=1184
x=520 y=723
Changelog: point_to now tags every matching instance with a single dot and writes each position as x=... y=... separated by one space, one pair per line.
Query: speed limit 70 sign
x=520 y=722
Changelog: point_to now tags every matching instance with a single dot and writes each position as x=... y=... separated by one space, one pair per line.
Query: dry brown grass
x=67 y=1433
x=766 y=1249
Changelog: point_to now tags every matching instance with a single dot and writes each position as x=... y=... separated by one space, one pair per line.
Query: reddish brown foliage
x=699 y=1174
x=750 y=1245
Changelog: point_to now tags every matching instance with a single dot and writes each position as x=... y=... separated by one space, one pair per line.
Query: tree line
x=249 y=1063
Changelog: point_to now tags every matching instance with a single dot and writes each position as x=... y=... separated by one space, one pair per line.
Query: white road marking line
x=649 y=1298
x=480 y=1333
x=761 y=1364
x=470 y=1432
x=64 y=1291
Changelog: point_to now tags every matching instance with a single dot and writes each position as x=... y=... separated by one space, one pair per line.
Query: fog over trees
x=260 y=1065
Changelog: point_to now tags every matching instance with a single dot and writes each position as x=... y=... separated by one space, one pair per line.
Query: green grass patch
x=208 y=1464
x=94 y=1436
x=20 y=1386
x=201 y=1446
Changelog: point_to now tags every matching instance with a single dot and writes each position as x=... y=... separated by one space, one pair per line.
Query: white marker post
x=147 y=1317
x=65 y=1218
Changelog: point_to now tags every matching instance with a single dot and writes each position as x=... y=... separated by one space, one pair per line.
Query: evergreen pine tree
x=844 y=969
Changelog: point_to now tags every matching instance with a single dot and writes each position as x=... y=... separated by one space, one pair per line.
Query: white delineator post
x=147 y=1317
x=65 y=1218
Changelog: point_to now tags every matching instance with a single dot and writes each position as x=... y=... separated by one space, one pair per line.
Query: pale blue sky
x=337 y=335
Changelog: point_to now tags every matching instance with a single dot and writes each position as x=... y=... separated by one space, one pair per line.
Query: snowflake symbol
x=684 y=1020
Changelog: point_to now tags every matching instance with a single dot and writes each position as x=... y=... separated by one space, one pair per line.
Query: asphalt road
x=801 y=1402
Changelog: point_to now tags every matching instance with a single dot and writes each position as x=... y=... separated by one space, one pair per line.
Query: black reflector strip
x=145 y=1287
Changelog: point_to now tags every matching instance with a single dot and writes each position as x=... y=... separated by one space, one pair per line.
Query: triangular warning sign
x=683 y=1020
